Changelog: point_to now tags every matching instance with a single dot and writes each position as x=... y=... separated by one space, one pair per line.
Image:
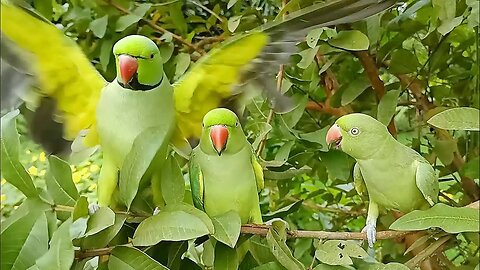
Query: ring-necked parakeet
x=394 y=175
x=64 y=75
x=224 y=172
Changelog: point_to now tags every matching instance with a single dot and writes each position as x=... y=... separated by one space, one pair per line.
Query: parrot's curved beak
x=219 y=137
x=128 y=66
x=334 y=136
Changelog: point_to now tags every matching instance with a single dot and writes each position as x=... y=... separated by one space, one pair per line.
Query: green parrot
x=393 y=175
x=224 y=172
x=113 y=114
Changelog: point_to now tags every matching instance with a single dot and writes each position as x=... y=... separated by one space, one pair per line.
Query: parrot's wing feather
x=196 y=183
x=358 y=181
x=61 y=70
x=258 y=170
x=427 y=182
x=210 y=80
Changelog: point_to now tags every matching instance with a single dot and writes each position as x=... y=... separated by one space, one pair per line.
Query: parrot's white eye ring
x=236 y=124
x=152 y=55
x=354 y=131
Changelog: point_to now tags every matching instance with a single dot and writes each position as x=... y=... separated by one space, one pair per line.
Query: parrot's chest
x=392 y=184
x=230 y=184
x=123 y=114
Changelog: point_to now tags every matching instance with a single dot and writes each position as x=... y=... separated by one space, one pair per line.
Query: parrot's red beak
x=334 y=135
x=219 y=136
x=128 y=65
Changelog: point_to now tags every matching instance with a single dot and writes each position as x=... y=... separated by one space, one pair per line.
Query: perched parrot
x=113 y=113
x=224 y=172
x=393 y=175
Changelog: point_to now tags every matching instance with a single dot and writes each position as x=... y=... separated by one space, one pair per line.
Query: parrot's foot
x=92 y=208
x=156 y=211
x=370 y=230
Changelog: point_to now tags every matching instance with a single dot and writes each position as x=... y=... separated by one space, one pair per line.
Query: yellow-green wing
x=258 y=170
x=211 y=79
x=60 y=68
x=196 y=183
x=358 y=181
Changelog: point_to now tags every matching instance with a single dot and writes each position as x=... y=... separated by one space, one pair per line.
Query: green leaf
x=352 y=40
x=387 y=106
x=169 y=226
x=59 y=182
x=403 y=62
x=284 y=211
x=446 y=8
x=12 y=170
x=338 y=252
x=464 y=118
x=102 y=238
x=190 y=209
x=105 y=53
x=448 y=25
x=44 y=7
x=127 y=20
x=183 y=62
x=318 y=137
x=225 y=257
x=276 y=240
x=231 y=3
x=145 y=147
x=60 y=255
x=269 y=266
x=354 y=88
x=24 y=241
x=472 y=168
x=130 y=258
x=172 y=182
x=99 y=26
x=445 y=150
x=448 y=218
x=308 y=55
x=233 y=23
x=313 y=36
x=227 y=228
x=103 y=218
x=80 y=209
x=330 y=267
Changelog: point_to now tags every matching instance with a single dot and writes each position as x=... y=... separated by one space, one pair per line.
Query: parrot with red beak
x=394 y=176
x=224 y=172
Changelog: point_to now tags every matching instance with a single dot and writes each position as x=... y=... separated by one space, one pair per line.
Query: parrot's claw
x=92 y=208
x=156 y=211
x=370 y=230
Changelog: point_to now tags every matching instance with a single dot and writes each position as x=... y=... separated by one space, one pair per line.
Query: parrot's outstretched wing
x=196 y=183
x=427 y=182
x=358 y=181
x=59 y=68
x=254 y=58
x=258 y=171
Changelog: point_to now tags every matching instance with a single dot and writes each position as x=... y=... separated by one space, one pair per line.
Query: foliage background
x=422 y=59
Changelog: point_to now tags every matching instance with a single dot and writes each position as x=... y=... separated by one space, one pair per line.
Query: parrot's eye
x=152 y=55
x=236 y=124
x=354 y=131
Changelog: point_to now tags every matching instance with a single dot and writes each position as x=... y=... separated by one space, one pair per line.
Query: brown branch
x=427 y=252
x=263 y=230
x=209 y=40
x=378 y=86
x=158 y=28
x=82 y=254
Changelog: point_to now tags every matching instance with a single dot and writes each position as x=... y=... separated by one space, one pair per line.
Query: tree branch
x=263 y=230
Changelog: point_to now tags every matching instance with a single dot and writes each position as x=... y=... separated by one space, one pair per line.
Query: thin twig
x=426 y=253
x=263 y=142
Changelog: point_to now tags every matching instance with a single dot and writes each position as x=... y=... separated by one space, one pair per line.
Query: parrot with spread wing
x=224 y=172
x=393 y=175
x=113 y=114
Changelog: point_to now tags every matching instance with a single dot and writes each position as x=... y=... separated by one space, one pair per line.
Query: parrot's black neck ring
x=134 y=85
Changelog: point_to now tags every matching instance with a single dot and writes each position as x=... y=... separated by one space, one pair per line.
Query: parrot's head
x=221 y=132
x=358 y=135
x=139 y=63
